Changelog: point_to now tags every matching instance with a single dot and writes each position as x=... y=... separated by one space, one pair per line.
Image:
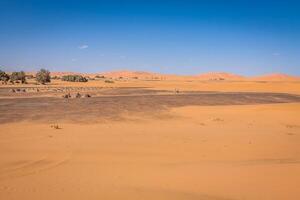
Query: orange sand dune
x=126 y=73
x=276 y=77
x=219 y=76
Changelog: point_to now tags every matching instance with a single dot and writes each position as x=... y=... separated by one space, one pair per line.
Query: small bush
x=4 y=77
x=55 y=126
x=67 y=96
x=109 y=81
x=78 y=95
x=18 y=76
x=74 y=78
x=98 y=76
x=43 y=76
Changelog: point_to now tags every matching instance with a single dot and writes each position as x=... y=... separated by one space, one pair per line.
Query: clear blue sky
x=183 y=37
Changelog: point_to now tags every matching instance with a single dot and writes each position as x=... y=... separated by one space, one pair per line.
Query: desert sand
x=139 y=139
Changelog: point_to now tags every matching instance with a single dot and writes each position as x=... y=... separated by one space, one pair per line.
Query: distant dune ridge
x=277 y=77
x=131 y=74
x=220 y=76
x=216 y=76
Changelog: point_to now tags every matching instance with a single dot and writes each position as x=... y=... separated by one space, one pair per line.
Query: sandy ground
x=203 y=152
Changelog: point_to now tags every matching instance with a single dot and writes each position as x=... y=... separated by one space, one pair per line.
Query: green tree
x=18 y=76
x=43 y=76
x=3 y=76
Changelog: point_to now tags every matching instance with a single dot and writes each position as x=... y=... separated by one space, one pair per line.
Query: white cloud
x=84 y=46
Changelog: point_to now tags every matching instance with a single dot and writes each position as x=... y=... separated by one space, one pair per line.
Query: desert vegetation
x=4 y=77
x=55 y=126
x=16 y=77
x=77 y=95
x=74 y=78
x=109 y=81
x=66 y=96
x=55 y=77
x=43 y=76
x=98 y=76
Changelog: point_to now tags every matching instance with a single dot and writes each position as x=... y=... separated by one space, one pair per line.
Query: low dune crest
x=220 y=76
x=277 y=77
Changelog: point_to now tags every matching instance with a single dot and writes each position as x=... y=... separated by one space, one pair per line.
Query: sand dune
x=277 y=77
x=219 y=76
x=130 y=74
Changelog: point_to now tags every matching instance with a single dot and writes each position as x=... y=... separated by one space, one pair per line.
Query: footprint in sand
x=217 y=119
x=292 y=126
x=3 y=187
x=202 y=124
x=290 y=134
x=250 y=124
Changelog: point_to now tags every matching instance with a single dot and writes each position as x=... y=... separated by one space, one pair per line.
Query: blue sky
x=182 y=37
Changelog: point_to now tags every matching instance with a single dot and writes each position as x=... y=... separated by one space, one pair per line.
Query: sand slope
x=223 y=152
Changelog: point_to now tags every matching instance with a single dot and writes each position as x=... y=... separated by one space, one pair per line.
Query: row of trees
x=42 y=76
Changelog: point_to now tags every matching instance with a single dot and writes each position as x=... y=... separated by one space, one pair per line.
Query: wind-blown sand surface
x=212 y=141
